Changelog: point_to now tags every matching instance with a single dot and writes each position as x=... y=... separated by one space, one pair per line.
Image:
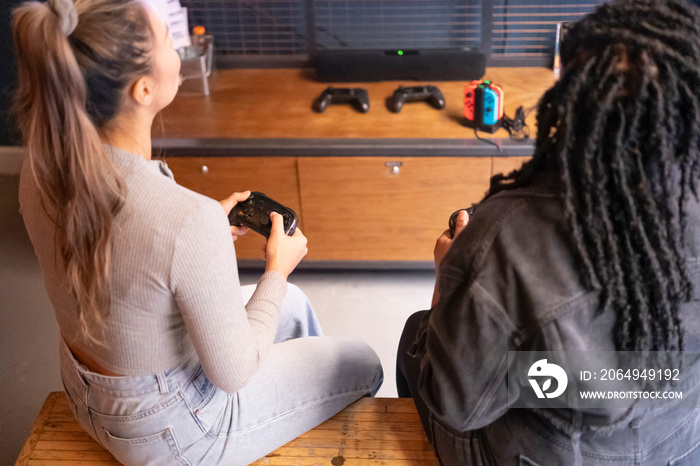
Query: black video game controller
x=255 y=212
x=356 y=96
x=411 y=94
x=453 y=219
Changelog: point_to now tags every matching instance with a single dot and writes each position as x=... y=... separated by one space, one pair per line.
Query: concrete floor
x=370 y=305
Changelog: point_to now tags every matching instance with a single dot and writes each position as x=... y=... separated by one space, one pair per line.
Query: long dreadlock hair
x=622 y=128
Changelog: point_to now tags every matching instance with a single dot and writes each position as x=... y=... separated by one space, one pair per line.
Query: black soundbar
x=458 y=64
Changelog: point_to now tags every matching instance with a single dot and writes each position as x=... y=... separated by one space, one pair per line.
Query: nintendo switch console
x=255 y=212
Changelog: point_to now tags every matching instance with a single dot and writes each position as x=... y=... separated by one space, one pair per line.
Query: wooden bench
x=370 y=432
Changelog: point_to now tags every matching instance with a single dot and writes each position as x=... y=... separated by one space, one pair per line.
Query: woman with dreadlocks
x=593 y=245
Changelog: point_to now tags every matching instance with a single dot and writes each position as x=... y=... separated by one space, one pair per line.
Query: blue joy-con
x=490 y=113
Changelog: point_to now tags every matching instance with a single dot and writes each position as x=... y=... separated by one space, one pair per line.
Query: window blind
x=509 y=32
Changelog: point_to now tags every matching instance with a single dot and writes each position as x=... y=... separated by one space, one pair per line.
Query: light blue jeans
x=179 y=417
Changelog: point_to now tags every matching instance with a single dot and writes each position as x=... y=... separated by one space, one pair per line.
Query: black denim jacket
x=511 y=282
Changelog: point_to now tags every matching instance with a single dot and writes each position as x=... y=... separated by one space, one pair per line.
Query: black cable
x=488 y=141
x=517 y=128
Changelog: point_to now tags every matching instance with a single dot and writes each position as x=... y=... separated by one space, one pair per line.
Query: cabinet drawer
x=384 y=209
x=218 y=177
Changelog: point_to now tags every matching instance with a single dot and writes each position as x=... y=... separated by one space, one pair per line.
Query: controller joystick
x=415 y=93
x=255 y=212
x=453 y=219
x=358 y=97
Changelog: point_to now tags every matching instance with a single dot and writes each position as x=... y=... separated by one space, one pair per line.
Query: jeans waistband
x=163 y=382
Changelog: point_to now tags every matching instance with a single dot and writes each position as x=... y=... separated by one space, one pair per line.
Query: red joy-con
x=470 y=99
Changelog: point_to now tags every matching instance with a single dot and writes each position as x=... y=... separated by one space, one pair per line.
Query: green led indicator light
x=400 y=52
x=481 y=86
x=487 y=82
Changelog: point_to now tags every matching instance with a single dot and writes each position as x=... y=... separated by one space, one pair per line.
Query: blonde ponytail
x=71 y=85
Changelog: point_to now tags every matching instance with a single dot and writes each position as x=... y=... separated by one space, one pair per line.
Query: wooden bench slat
x=63 y=426
x=286 y=461
x=111 y=462
x=69 y=445
x=372 y=417
x=371 y=444
x=416 y=434
x=67 y=436
x=353 y=453
x=62 y=416
x=370 y=432
x=405 y=405
x=395 y=427
x=65 y=455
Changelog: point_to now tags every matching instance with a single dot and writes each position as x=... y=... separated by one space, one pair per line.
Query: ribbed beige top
x=174 y=281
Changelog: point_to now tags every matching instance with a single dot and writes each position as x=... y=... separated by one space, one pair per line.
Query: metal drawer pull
x=394 y=166
x=205 y=169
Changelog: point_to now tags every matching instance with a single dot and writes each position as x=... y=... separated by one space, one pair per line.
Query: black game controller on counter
x=411 y=94
x=356 y=96
x=453 y=219
x=255 y=212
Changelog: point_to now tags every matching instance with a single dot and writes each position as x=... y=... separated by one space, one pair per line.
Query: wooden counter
x=369 y=188
x=276 y=103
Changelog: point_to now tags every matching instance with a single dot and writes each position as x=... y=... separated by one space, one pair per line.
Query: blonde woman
x=161 y=358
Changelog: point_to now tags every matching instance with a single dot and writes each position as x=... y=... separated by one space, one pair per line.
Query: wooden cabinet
x=507 y=164
x=384 y=209
x=219 y=177
x=351 y=208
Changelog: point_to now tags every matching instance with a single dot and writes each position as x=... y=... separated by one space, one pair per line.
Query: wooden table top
x=276 y=103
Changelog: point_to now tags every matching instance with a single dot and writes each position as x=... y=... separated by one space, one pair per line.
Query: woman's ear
x=142 y=91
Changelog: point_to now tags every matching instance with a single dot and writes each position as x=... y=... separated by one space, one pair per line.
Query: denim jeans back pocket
x=156 y=435
x=689 y=458
x=153 y=450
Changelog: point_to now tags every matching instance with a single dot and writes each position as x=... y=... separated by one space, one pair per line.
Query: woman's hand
x=283 y=253
x=444 y=242
x=442 y=245
x=228 y=204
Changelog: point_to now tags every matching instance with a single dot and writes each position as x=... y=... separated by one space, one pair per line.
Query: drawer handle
x=205 y=169
x=395 y=167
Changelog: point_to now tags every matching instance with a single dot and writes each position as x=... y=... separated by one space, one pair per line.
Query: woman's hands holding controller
x=442 y=245
x=228 y=204
x=283 y=253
